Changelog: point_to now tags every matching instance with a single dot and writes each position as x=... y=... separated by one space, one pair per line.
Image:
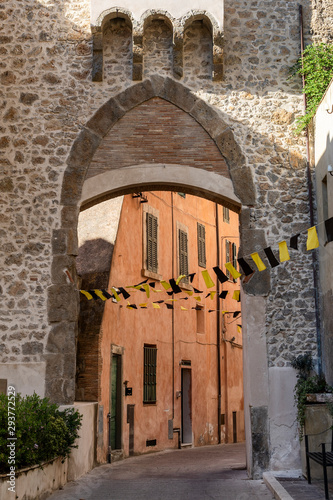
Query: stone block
x=230 y=149
x=62 y=303
x=59 y=263
x=61 y=338
x=69 y=216
x=243 y=185
x=210 y=119
x=59 y=241
x=254 y=240
x=72 y=185
x=177 y=94
x=105 y=117
x=32 y=348
x=260 y=440
x=135 y=95
x=83 y=150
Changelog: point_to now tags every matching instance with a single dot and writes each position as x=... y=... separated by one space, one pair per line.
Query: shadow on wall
x=93 y=267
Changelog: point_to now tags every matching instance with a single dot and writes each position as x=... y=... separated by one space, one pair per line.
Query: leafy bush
x=317 y=69
x=42 y=431
x=307 y=384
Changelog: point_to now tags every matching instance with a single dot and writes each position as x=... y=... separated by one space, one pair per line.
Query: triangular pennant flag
x=236 y=313
x=197 y=298
x=156 y=306
x=220 y=275
x=234 y=273
x=123 y=292
x=106 y=294
x=147 y=290
x=87 y=294
x=239 y=328
x=245 y=266
x=329 y=229
x=211 y=310
x=312 y=241
x=93 y=294
x=183 y=308
x=283 y=251
x=223 y=294
x=184 y=298
x=165 y=285
x=212 y=295
x=197 y=291
x=175 y=287
x=258 y=262
x=236 y=295
x=198 y=308
x=144 y=305
x=208 y=280
x=294 y=241
x=191 y=276
x=189 y=292
x=152 y=284
x=131 y=306
x=169 y=306
x=114 y=293
x=142 y=282
x=224 y=312
x=158 y=301
x=178 y=280
x=99 y=293
x=271 y=257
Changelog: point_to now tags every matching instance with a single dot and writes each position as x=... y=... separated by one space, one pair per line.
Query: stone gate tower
x=71 y=74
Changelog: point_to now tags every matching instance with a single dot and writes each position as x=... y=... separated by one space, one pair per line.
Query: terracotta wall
x=131 y=329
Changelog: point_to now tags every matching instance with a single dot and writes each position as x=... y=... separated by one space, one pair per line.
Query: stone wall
x=47 y=97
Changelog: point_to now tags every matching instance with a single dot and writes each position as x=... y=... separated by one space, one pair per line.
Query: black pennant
x=220 y=275
x=123 y=292
x=223 y=294
x=245 y=266
x=93 y=294
x=329 y=229
x=271 y=257
x=294 y=241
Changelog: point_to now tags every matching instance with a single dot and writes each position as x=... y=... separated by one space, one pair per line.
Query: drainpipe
x=218 y=326
x=173 y=310
x=310 y=194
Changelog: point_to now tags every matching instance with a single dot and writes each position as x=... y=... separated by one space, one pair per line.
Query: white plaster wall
x=27 y=378
x=285 y=447
x=173 y=7
x=100 y=221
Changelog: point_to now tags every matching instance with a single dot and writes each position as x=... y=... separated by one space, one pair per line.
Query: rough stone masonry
x=47 y=93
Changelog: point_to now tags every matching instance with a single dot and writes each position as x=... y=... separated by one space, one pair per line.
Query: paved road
x=210 y=472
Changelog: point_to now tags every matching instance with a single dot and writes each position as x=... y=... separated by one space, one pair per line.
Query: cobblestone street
x=210 y=472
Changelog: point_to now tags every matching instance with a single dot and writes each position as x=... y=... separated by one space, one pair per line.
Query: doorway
x=186 y=406
x=115 y=409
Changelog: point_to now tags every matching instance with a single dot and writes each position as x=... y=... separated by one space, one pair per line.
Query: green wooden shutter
x=234 y=256
x=183 y=253
x=152 y=243
x=149 y=374
x=201 y=245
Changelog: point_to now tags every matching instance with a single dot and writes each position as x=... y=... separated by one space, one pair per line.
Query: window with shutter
x=183 y=253
x=227 y=256
x=226 y=215
x=201 y=245
x=152 y=243
x=234 y=256
x=149 y=373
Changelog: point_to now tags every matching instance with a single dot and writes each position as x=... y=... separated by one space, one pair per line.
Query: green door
x=115 y=420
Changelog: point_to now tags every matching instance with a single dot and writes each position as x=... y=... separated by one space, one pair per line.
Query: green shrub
x=317 y=69
x=42 y=431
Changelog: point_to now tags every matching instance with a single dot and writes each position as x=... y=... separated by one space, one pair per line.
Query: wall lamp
x=330 y=169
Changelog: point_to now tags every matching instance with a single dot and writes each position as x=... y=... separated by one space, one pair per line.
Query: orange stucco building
x=165 y=363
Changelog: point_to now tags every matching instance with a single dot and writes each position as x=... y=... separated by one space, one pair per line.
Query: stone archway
x=238 y=191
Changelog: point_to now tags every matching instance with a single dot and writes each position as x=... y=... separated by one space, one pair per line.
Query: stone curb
x=275 y=487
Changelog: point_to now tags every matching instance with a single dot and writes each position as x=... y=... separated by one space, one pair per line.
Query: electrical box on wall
x=128 y=391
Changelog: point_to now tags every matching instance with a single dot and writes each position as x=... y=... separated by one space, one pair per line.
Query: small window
x=230 y=256
x=149 y=373
x=183 y=252
x=152 y=244
x=226 y=215
x=200 y=319
x=201 y=245
x=227 y=256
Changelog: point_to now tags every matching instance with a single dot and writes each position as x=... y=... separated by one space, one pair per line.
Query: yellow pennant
x=258 y=262
x=236 y=295
x=208 y=280
x=129 y=306
x=189 y=292
x=143 y=306
x=147 y=290
x=224 y=312
x=212 y=295
x=165 y=284
x=239 y=329
x=283 y=251
x=234 y=273
x=197 y=298
x=87 y=294
x=180 y=278
x=156 y=306
x=99 y=294
x=183 y=308
x=116 y=296
x=312 y=241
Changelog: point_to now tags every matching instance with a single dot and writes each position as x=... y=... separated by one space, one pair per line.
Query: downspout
x=310 y=194
x=218 y=326
x=173 y=311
